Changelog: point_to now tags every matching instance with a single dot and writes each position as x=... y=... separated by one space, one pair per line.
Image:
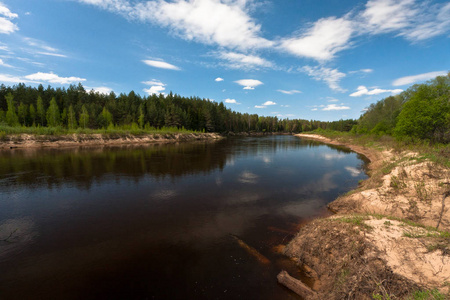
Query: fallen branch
x=261 y=258
x=296 y=286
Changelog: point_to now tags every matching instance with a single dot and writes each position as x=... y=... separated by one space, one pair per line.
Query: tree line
x=421 y=112
x=74 y=107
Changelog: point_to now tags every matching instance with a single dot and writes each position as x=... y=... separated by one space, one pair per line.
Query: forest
x=421 y=112
x=74 y=107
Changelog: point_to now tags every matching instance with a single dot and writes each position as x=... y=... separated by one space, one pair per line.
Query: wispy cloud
x=249 y=84
x=416 y=78
x=160 y=64
x=42 y=48
x=414 y=20
x=3 y=64
x=362 y=90
x=381 y=16
x=331 y=76
x=243 y=61
x=51 y=54
x=322 y=40
x=291 y=92
x=6 y=26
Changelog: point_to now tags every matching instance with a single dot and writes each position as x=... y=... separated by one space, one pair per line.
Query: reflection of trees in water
x=34 y=167
x=86 y=165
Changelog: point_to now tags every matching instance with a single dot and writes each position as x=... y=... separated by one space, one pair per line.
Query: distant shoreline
x=73 y=140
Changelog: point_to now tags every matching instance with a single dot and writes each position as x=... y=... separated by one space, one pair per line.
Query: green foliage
x=84 y=117
x=11 y=117
x=32 y=115
x=425 y=115
x=105 y=118
x=40 y=111
x=53 y=115
x=71 y=118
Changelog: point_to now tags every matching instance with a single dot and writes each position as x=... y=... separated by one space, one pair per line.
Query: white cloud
x=381 y=16
x=269 y=103
x=4 y=11
x=53 y=78
x=362 y=90
x=224 y=23
x=101 y=90
x=218 y=79
x=156 y=87
x=332 y=100
x=330 y=76
x=243 y=61
x=438 y=22
x=260 y=106
x=416 y=78
x=153 y=82
x=249 y=84
x=314 y=109
x=335 y=107
x=160 y=64
x=291 y=92
x=414 y=20
x=322 y=40
x=287 y=105
x=6 y=78
x=6 y=26
x=231 y=101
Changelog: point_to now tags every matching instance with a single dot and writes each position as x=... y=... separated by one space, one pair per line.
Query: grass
x=427 y=295
x=357 y=220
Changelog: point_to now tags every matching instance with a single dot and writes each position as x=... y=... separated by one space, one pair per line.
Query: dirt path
x=389 y=238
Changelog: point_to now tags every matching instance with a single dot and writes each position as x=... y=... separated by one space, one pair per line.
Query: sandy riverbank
x=388 y=239
x=37 y=141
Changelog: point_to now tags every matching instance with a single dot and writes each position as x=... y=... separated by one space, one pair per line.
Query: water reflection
x=133 y=222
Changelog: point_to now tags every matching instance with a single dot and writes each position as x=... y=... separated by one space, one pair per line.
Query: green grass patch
x=357 y=220
x=427 y=295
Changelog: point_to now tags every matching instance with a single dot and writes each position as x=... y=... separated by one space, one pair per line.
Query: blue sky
x=308 y=59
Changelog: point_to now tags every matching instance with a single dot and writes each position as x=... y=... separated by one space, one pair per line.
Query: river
x=162 y=221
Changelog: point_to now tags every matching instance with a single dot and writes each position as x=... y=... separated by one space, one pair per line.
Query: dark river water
x=162 y=221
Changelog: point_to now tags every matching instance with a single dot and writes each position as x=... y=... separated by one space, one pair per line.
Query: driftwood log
x=296 y=286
